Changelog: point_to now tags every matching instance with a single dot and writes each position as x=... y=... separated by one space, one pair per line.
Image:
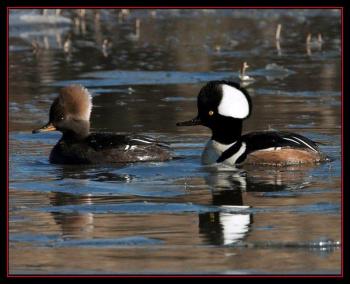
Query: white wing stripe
x=143 y=141
x=308 y=145
x=291 y=140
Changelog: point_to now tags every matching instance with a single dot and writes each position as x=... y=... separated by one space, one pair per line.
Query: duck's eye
x=211 y=113
x=61 y=117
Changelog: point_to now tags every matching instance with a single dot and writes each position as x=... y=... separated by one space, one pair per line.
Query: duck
x=70 y=114
x=222 y=107
x=242 y=73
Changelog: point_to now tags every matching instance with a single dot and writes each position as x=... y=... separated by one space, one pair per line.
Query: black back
x=260 y=140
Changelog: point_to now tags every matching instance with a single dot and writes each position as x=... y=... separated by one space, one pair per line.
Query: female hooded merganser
x=70 y=114
x=222 y=107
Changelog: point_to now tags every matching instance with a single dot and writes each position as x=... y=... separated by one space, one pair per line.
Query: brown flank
x=283 y=157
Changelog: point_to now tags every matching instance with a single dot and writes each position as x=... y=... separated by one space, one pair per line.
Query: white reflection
x=234 y=226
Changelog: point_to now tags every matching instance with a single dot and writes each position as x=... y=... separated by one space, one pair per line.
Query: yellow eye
x=211 y=112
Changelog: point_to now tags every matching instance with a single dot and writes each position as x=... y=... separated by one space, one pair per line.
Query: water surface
x=176 y=216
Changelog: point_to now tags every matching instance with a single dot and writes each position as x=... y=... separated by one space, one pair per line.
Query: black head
x=70 y=112
x=220 y=101
x=222 y=106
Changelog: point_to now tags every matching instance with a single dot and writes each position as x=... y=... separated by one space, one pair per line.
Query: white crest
x=233 y=103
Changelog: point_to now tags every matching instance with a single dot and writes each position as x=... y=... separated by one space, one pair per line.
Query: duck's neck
x=242 y=71
x=227 y=133
x=78 y=130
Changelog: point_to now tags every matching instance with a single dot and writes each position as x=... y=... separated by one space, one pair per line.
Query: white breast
x=213 y=151
x=232 y=160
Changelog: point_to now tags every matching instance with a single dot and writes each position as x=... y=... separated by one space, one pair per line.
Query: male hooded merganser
x=70 y=114
x=222 y=107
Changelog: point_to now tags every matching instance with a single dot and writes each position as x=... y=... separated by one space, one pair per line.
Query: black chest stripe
x=229 y=152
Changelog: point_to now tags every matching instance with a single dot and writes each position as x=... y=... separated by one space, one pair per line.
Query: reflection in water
x=73 y=225
x=278 y=38
x=312 y=43
x=259 y=179
x=67 y=46
x=90 y=173
x=106 y=47
x=221 y=228
x=228 y=186
x=135 y=36
x=123 y=15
